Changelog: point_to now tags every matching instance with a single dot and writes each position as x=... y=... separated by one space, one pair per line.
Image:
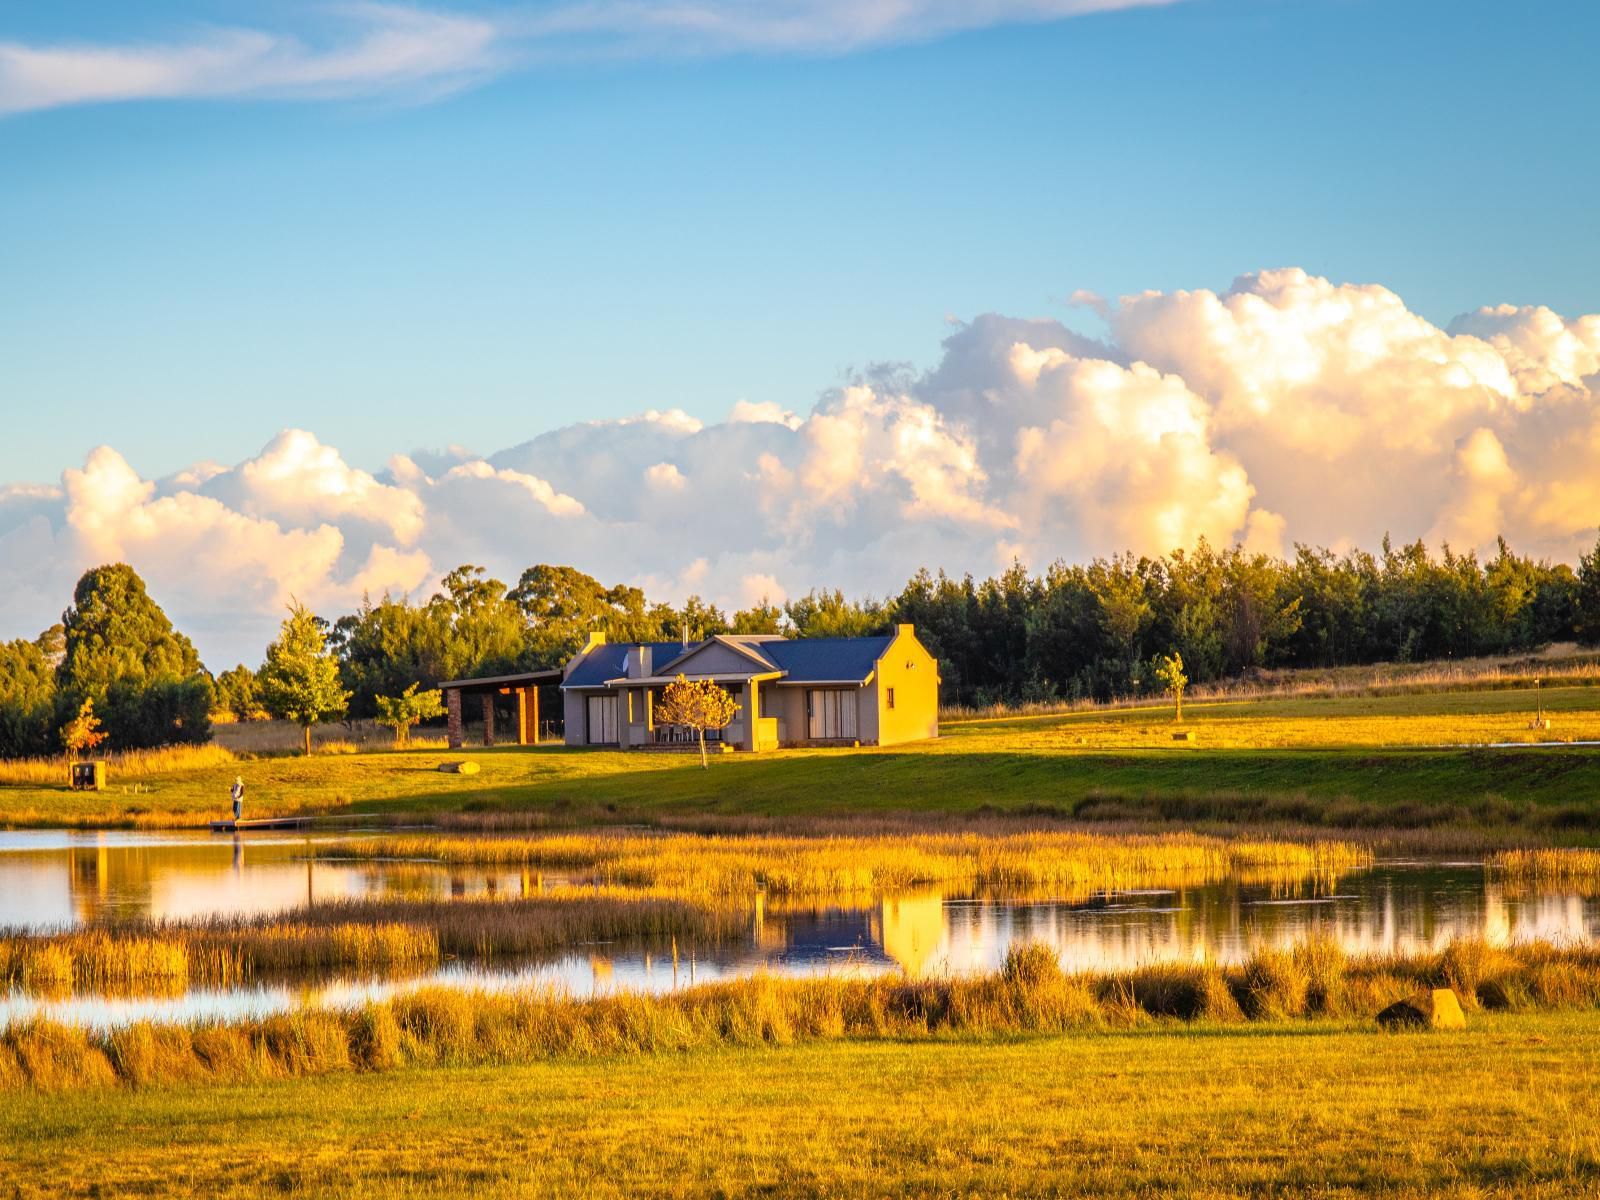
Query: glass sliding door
x=830 y=714
x=602 y=720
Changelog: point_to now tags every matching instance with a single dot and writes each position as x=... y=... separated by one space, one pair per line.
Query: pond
x=53 y=880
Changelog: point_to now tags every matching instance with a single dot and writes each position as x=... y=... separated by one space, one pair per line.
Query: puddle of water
x=58 y=880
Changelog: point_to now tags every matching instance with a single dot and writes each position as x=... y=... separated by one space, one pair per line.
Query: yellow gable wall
x=908 y=668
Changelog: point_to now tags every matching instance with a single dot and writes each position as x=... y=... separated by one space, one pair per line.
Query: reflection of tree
x=109 y=882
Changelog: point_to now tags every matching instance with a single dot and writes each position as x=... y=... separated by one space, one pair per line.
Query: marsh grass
x=717 y=868
x=1546 y=864
x=168 y=957
x=1029 y=994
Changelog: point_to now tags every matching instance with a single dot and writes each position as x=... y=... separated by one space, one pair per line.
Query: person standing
x=237 y=792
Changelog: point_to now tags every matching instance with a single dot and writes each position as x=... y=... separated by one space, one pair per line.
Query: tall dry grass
x=1030 y=994
x=1546 y=864
x=272 y=738
x=1564 y=665
x=125 y=764
x=712 y=867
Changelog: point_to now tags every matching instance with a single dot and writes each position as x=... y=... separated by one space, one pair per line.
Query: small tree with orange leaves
x=696 y=704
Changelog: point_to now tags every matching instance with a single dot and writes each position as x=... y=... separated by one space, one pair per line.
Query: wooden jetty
x=302 y=821
x=229 y=825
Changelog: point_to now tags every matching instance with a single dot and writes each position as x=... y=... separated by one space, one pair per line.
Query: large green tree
x=300 y=680
x=120 y=650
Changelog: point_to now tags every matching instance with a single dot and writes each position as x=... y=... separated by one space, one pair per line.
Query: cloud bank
x=1286 y=408
x=378 y=49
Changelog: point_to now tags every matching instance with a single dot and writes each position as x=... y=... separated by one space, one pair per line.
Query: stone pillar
x=452 y=723
x=488 y=718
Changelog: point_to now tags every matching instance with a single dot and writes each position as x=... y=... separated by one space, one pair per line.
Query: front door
x=602 y=723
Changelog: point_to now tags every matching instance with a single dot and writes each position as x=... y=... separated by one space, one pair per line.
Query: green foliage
x=27 y=700
x=1169 y=671
x=1087 y=630
x=765 y=617
x=114 y=632
x=300 y=681
x=238 y=692
x=1586 y=599
x=828 y=614
x=410 y=708
x=119 y=649
x=384 y=647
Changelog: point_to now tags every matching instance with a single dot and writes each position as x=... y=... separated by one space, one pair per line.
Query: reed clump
x=713 y=867
x=1030 y=994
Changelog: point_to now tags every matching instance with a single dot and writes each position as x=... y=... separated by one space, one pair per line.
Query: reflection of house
x=873 y=691
x=913 y=931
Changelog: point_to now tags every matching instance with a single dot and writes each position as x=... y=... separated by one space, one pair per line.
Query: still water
x=54 y=880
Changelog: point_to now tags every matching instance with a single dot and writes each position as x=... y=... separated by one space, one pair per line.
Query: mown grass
x=1030 y=994
x=1362 y=762
x=1070 y=864
x=365 y=935
x=1505 y=1109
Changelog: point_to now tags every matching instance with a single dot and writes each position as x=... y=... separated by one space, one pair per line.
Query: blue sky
x=590 y=229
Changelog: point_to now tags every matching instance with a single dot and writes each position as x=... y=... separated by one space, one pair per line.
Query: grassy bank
x=1031 y=994
x=1388 y=761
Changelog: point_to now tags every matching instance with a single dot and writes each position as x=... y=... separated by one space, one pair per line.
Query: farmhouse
x=870 y=691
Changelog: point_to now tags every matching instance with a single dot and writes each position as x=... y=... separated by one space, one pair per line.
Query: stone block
x=1438 y=1008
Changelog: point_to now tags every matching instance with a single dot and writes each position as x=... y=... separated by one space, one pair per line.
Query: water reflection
x=60 y=880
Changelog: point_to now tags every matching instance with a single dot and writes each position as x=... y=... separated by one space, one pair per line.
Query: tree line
x=1097 y=630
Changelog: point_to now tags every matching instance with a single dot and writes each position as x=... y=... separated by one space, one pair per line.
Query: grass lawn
x=1510 y=1107
x=1406 y=760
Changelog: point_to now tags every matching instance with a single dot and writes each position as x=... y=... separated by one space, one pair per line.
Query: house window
x=891 y=697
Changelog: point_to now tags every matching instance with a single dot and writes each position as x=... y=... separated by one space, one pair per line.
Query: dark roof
x=495 y=682
x=825 y=660
x=805 y=660
x=610 y=661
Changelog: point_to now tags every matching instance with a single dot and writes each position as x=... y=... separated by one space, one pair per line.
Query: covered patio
x=485 y=693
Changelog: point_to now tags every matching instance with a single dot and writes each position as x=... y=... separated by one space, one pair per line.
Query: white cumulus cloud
x=1285 y=408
